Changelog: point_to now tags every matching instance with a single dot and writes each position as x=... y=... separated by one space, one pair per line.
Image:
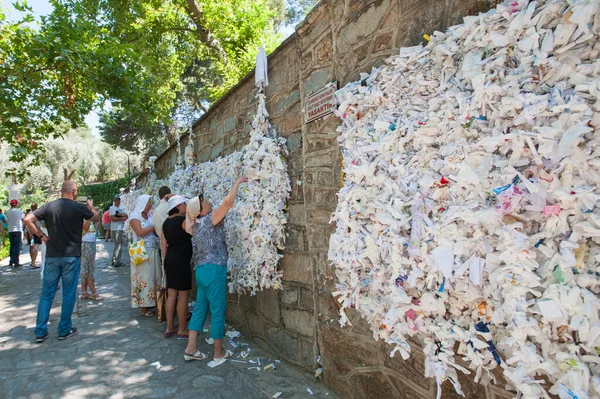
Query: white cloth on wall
x=261 y=78
x=468 y=216
x=255 y=227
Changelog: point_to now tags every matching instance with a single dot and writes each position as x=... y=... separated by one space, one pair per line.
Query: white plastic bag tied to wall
x=255 y=227
x=468 y=214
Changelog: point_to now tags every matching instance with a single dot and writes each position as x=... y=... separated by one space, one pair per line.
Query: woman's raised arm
x=228 y=202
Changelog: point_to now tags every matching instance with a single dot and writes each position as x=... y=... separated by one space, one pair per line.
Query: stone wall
x=337 y=41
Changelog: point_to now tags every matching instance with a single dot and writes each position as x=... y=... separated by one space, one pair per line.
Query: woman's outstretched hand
x=228 y=202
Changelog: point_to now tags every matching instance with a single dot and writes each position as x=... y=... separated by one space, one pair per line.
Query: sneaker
x=41 y=339
x=71 y=332
x=18 y=265
x=118 y=264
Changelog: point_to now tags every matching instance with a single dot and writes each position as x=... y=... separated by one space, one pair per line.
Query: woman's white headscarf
x=140 y=205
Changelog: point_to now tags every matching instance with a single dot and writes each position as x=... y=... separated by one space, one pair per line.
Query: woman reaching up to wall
x=210 y=260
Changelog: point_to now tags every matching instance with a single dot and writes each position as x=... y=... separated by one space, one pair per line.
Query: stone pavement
x=113 y=353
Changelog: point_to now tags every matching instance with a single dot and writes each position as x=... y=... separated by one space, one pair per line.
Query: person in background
x=36 y=241
x=1 y=235
x=176 y=250
x=44 y=230
x=159 y=217
x=210 y=261
x=26 y=234
x=146 y=277
x=64 y=219
x=88 y=261
x=117 y=224
x=162 y=210
x=4 y=224
x=106 y=224
x=14 y=217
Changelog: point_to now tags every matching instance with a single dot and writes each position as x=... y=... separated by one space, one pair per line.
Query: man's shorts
x=37 y=240
x=106 y=226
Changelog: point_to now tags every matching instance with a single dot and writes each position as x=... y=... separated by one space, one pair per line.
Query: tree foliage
x=103 y=193
x=120 y=129
x=134 y=54
x=298 y=9
x=75 y=155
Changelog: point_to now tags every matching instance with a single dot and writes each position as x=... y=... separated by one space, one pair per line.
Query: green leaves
x=149 y=58
x=104 y=193
x=22 y=6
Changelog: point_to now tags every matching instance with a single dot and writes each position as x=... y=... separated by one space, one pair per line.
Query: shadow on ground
x=115 y=353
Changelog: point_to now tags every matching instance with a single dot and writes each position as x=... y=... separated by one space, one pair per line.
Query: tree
x=78 y=155
x=75 y=155
x=133 y=54
x=298 y=9
x=120 y=129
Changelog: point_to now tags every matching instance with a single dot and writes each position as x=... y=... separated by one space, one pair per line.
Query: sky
x=43 y=7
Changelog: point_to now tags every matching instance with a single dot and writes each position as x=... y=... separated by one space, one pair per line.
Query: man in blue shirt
x=3 y=220
x=3 y=227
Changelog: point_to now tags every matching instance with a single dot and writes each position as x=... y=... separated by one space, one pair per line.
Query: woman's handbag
x=138 y=253
x=161 y=300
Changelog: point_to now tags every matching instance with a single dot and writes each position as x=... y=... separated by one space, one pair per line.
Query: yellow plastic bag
x=138 y=252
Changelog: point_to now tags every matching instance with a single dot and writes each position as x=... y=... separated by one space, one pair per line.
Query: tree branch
x=181 y=30
x=198 y=18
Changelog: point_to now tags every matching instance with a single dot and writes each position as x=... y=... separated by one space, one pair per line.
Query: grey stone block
x=229 y=125
x=317 y=80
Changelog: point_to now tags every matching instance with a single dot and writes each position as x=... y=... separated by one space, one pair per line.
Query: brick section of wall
x=338 y=40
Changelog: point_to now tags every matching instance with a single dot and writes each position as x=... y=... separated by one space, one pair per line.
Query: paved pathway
x=113 y=353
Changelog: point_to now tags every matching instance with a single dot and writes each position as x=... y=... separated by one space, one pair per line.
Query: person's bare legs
x=92 y=286
x=170 y=309
x=84 y=289
x=192 y=345
x=33 y=252
x=182 y=312
x=219 y=350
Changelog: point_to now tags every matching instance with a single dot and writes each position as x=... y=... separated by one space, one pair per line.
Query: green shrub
x=103 y=193
x=39 y=196
x=5 y=250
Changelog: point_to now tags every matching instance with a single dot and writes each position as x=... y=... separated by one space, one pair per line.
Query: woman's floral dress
x=146 y=278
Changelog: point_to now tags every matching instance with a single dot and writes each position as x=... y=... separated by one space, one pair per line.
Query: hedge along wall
x=339 y=40
x=103 y=193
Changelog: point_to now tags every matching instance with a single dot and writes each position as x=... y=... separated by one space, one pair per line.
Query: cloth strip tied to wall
x=468 y=217
x=255 y=227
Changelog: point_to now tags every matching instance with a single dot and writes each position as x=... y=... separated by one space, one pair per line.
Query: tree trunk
x=68 y=175
x=171 y=131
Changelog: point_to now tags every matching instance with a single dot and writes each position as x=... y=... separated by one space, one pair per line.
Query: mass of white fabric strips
x=468 y=215
x=255 y=227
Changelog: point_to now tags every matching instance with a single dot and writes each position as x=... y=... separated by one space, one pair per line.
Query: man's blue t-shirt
x=4 y=221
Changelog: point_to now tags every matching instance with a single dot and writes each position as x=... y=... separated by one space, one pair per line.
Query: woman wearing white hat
x=146 y=277
x=176 y=246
